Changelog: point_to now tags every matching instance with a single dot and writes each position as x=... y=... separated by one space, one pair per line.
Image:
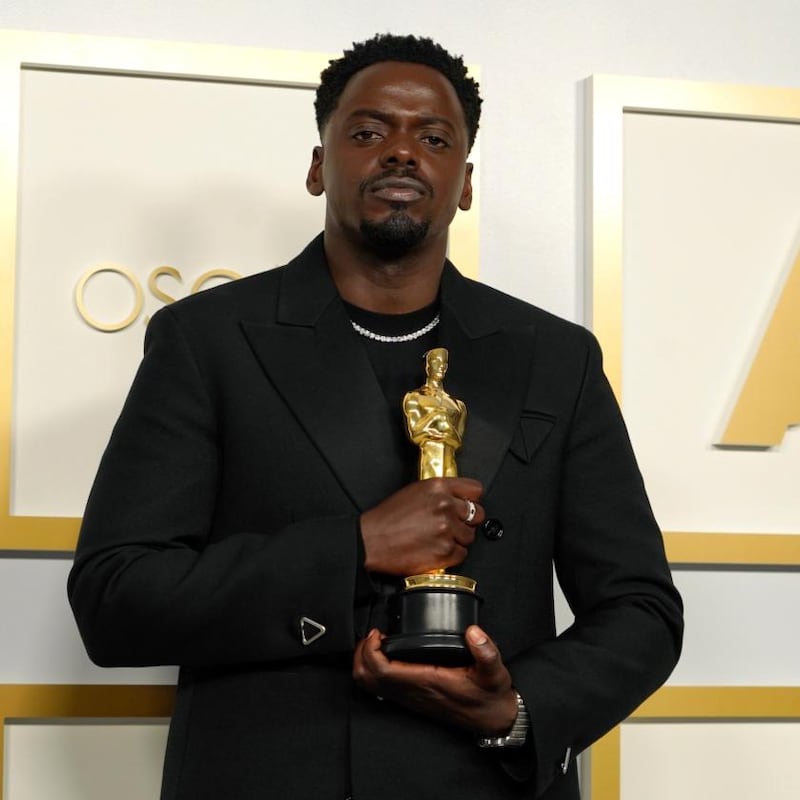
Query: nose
x=400 y=150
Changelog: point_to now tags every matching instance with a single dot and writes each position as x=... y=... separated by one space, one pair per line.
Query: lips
x=398 y=190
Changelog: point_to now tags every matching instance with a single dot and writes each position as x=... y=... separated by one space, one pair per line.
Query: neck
x=395 y=286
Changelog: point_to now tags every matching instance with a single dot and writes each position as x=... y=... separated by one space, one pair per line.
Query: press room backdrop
x=540 y=220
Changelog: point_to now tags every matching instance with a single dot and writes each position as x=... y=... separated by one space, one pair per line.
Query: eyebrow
x=388 y=117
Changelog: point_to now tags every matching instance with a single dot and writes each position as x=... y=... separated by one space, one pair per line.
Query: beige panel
x=199 y=186
x=710 y=761
x=84 y=761
x=37 y=703
x=691 y=205
x=679 y=705
x=711 y=232
x=199 y=153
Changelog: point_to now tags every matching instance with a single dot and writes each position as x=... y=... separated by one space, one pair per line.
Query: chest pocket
x=534 y=427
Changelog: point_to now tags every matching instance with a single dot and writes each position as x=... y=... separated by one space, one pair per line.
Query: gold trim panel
x=202 y=62
x=41 y=701
x=735 y=549
x=700 y=703
x=721 y=702
x=608 y=98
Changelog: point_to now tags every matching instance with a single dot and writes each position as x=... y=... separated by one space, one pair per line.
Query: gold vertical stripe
x=605 y=764
x=9 y=148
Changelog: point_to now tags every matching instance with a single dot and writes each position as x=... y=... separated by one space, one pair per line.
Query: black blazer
x=225 y=510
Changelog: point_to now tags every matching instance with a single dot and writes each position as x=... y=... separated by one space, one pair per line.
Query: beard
x=394 y=236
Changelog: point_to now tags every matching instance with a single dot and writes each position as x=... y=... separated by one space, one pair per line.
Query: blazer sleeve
x=610 y=561
x=150 y=585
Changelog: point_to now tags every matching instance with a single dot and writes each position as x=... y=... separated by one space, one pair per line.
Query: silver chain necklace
x=406 y=337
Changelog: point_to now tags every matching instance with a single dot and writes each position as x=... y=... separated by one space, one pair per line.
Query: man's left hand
x=478 y=698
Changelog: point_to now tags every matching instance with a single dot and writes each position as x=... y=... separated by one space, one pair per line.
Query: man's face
x=393 y=159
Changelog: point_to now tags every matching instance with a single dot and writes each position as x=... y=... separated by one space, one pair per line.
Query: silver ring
x=472 y=510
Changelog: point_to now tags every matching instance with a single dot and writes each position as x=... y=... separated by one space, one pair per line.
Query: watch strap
x=519 y=730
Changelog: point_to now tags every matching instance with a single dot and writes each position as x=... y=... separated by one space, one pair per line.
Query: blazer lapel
x=319 y=367
x=490 y=362
x=317 y=364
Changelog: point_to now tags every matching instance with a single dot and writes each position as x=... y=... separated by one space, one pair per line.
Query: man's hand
x=478 y=698
x=422 y=527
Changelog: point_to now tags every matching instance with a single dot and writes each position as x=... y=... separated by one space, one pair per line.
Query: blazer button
x=492 y=529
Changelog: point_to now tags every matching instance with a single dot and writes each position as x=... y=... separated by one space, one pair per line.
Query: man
x=257 y=503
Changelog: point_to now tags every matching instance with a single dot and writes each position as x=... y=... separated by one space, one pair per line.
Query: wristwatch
x=519 y=730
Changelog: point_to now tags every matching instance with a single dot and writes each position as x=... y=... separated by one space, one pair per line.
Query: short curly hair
x=388 y=47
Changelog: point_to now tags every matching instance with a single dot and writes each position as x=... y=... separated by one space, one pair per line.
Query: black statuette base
x=426 y=626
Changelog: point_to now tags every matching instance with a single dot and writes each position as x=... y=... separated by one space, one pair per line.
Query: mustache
x=398 y=178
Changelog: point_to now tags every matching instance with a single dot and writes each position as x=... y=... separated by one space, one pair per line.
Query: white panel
x=140 y=172
x=739 y=629
x=712 y=223
x=83 y=761
x=735 y=629
x=563 y=613
x=39 y=641
x=710 y=761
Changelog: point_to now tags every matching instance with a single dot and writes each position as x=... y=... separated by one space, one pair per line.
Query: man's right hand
x=422 y=527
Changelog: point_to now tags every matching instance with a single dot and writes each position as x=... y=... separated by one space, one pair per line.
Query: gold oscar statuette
x=429 y=616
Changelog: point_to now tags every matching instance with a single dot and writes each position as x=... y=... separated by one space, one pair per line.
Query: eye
x=435 y=141
x=366 y=135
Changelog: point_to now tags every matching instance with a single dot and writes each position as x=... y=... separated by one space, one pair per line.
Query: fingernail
x=477 y=636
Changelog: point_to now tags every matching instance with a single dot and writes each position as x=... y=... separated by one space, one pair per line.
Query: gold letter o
x=109 y=327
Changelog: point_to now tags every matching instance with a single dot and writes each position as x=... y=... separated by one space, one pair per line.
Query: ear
x=466 y=193
x=314 y=183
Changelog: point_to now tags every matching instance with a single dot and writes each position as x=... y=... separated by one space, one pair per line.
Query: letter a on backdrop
x=769 y=402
